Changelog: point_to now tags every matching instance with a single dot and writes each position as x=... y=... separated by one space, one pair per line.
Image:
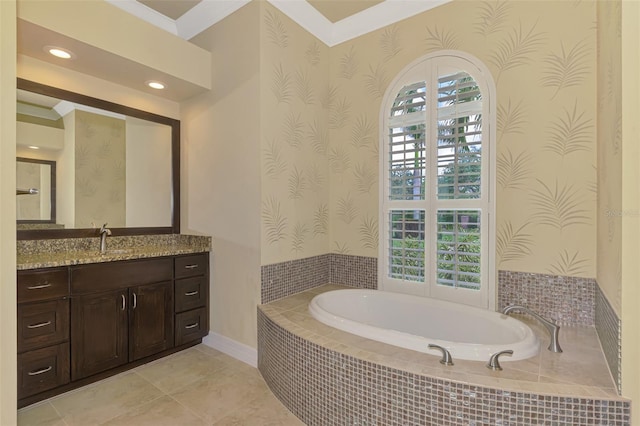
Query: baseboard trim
x=235 y=349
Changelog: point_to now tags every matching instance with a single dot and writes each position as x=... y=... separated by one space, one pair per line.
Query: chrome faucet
x=446 y=356
x=104 y=231
x=494 y=364
x=552 y=327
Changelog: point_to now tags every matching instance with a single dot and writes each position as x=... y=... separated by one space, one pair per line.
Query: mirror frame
x=52 y=213
x=174 y=228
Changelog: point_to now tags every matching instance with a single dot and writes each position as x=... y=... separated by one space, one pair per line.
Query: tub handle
x=446 y=356
x=494 y=364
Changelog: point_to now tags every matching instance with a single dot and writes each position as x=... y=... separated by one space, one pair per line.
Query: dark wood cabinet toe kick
x=79 y=324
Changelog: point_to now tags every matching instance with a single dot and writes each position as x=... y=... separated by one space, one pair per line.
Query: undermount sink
x=116 y=251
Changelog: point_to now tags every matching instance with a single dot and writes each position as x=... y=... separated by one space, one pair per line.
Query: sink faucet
x=104 y=231
x=551 y=327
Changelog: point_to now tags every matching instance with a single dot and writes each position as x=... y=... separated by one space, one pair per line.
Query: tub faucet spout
x=552 y=327
x=446 y=356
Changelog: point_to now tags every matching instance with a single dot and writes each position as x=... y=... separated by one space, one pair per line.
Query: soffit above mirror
x=129 y=54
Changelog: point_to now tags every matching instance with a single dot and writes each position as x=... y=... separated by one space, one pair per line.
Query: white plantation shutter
x=435 y=192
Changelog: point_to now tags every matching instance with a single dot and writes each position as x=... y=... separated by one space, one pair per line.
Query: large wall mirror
x=97 y=162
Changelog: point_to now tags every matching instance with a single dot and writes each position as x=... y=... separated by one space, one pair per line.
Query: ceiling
x=333 y=10
x=173 y=9
x=331 y=21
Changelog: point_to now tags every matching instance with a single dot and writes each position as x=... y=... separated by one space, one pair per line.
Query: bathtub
x=413 y=322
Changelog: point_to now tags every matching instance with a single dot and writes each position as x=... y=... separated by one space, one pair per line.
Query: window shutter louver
x=434 y=205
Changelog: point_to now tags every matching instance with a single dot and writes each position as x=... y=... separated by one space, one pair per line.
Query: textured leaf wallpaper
x=321 y=112
x=100 y=184
x=609 y=184
x=299 y=110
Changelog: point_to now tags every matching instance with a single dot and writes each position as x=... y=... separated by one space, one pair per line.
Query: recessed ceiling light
x=155 y=84
x=59 y=52
x=34 y=147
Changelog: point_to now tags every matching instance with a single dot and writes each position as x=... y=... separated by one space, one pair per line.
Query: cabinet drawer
x=42 y=284
x=191 y=325
x=192 y=265
x=191 y=293
x=43 y=369
x=42 y=324
x=97 y=277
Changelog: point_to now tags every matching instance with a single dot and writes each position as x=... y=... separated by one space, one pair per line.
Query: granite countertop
x=35 y=254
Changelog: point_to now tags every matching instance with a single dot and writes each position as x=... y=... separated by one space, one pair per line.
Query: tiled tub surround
x=287 y=278
x=33 y=254
x=283 y=279
x=329 y=377
x=568 y=300
x=609 y=328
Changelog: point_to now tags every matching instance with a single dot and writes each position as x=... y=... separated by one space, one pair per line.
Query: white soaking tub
x=413 y=322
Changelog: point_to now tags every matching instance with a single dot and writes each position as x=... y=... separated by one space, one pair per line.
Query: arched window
x=437 y=172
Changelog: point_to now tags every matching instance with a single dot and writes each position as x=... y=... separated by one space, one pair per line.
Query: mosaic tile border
x=325 y=387
x=609 y=329
x=284 y=279
x=568 y=300
x=354 y=271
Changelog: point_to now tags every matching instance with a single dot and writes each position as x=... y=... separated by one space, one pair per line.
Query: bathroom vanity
x=83 y=322
x=91 y=306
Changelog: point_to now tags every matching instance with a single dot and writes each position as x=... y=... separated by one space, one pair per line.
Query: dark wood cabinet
x=43 y=369
x=192 y=296
x=81 y=323
x=130 y=317
x=99 y=333
x=150 y=319
x=43 y=330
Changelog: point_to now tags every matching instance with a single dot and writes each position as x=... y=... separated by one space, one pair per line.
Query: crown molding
x=205 y=14
x=146 y=14
x=208 y=12
x=65 y=107
x=382 y=14
x=307 y=17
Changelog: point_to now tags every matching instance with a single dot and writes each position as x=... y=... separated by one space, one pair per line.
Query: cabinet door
x=151 y=319
x=98 y=333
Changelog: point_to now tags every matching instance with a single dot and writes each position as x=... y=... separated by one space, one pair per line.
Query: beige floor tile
x=181 y=369
x=220 y=393
x=39 y=415
x=265 y=410
x=164 y=411
x=105 y=400
x=232 y=363
x=207 y=350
